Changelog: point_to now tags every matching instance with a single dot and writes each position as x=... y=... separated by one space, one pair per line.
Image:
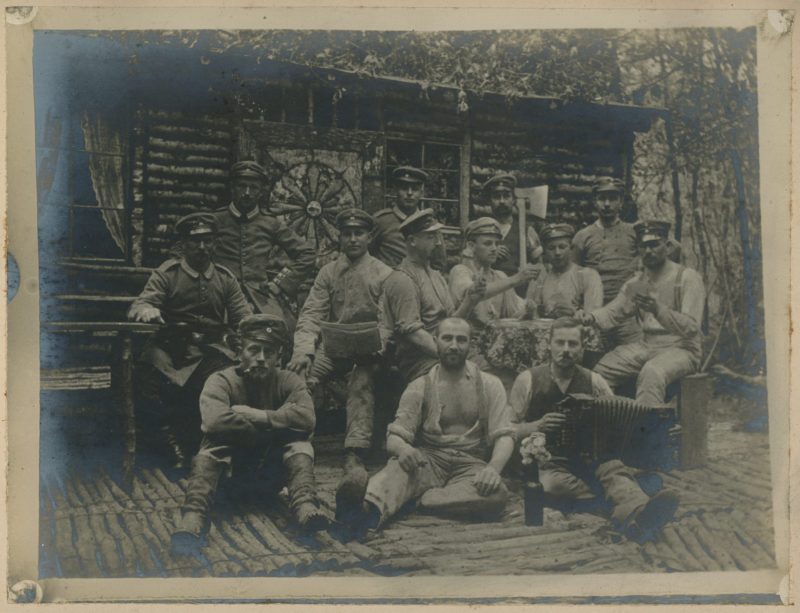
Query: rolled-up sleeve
x=460 y=280
x=520 y=396
x=408 y=418
x=401 y=304
x=592 y=290
x=618 y=310
x=316 y=309
x=500 y=421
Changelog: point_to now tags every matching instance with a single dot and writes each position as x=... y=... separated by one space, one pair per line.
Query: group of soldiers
x=229 y=377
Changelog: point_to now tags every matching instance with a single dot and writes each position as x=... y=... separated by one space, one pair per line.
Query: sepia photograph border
x=777 y=53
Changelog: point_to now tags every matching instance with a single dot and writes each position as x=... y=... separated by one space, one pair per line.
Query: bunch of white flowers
x=533 y=448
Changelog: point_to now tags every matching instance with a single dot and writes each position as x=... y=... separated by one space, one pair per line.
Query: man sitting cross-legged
x=257 y=420
x=449 y=423
x=533 y=400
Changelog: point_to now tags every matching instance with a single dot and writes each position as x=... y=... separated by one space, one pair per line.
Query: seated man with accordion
x=584 y=463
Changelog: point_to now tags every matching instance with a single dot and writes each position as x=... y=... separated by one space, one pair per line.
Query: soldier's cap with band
x=196 y=224
x=354 y=218
x=607 y=184
x=557 y=230
x=501 y=179
x=420 y=221
x=483 y=226
x=264 y=328
x=249 y=169
x=651 y=229
x=409 y=174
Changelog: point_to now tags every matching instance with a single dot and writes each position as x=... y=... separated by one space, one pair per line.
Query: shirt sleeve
x=303 y=259
x=297 y=410
x=686 y=322
x=500 y=422
x=218 y=418
x=460 y=281
x=600 y=386
x=618 y=310
x=520 y=397
x=315 y=309
x=402 y=304
x=408 y=418
x=153 y=295
x=592 y=290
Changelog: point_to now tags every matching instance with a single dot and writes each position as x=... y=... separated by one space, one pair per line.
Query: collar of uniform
x=238 y=214
x=399 y=213
x=343 y=262
x=193 y=273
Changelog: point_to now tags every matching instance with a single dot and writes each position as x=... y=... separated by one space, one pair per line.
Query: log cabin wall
x=183 y=160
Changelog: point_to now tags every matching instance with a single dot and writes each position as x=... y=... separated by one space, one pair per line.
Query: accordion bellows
x=350 y=340
x=615 y=427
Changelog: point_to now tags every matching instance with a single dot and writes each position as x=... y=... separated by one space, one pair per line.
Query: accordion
x=614 y=427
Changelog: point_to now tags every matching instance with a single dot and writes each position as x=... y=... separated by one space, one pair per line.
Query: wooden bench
x=120 y=374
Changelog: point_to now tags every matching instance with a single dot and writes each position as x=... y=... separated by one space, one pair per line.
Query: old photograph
x=382 y=303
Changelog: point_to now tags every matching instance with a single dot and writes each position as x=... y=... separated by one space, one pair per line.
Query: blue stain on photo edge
x=12 y=276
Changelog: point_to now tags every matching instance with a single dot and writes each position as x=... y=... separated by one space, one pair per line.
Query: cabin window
x=442 y=163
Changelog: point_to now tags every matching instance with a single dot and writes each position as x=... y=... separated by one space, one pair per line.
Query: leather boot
x=647 y=521
x=352 y=487
x=202 y=486
x=302 y=493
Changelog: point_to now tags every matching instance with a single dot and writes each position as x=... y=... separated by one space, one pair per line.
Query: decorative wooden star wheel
x=308 y=196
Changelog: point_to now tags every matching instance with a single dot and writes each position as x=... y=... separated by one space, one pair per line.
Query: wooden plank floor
x=90 y=527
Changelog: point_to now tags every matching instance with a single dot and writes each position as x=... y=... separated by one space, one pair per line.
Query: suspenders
x=483 y=403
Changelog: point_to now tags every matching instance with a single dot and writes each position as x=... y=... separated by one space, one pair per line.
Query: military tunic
x=507 y=304
x=671 y=343
x=388 y=244
x=344 y=292
x=610 y=251
x=246 y=245
x=175 y=362
x=184 y=295
x=415 y=298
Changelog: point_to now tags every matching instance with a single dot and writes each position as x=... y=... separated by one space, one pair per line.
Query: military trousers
x=654 y=364
x=360 y=404
x=253 y=473
x=445 y=484
x=612 y=480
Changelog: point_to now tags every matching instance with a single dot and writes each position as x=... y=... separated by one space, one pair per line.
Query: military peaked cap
x=648 y=230
x=409 y=174
x=483 y=226
x=196 y=224
x=607 y=184
x=354 y=218
x=264 y=328
x=501 y=179
x=420 y=221
x=249 y=168
x=557 y=230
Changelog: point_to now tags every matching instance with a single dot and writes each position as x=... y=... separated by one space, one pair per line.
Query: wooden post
x=465 y=175
x=693 y=406
x=128 y=414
